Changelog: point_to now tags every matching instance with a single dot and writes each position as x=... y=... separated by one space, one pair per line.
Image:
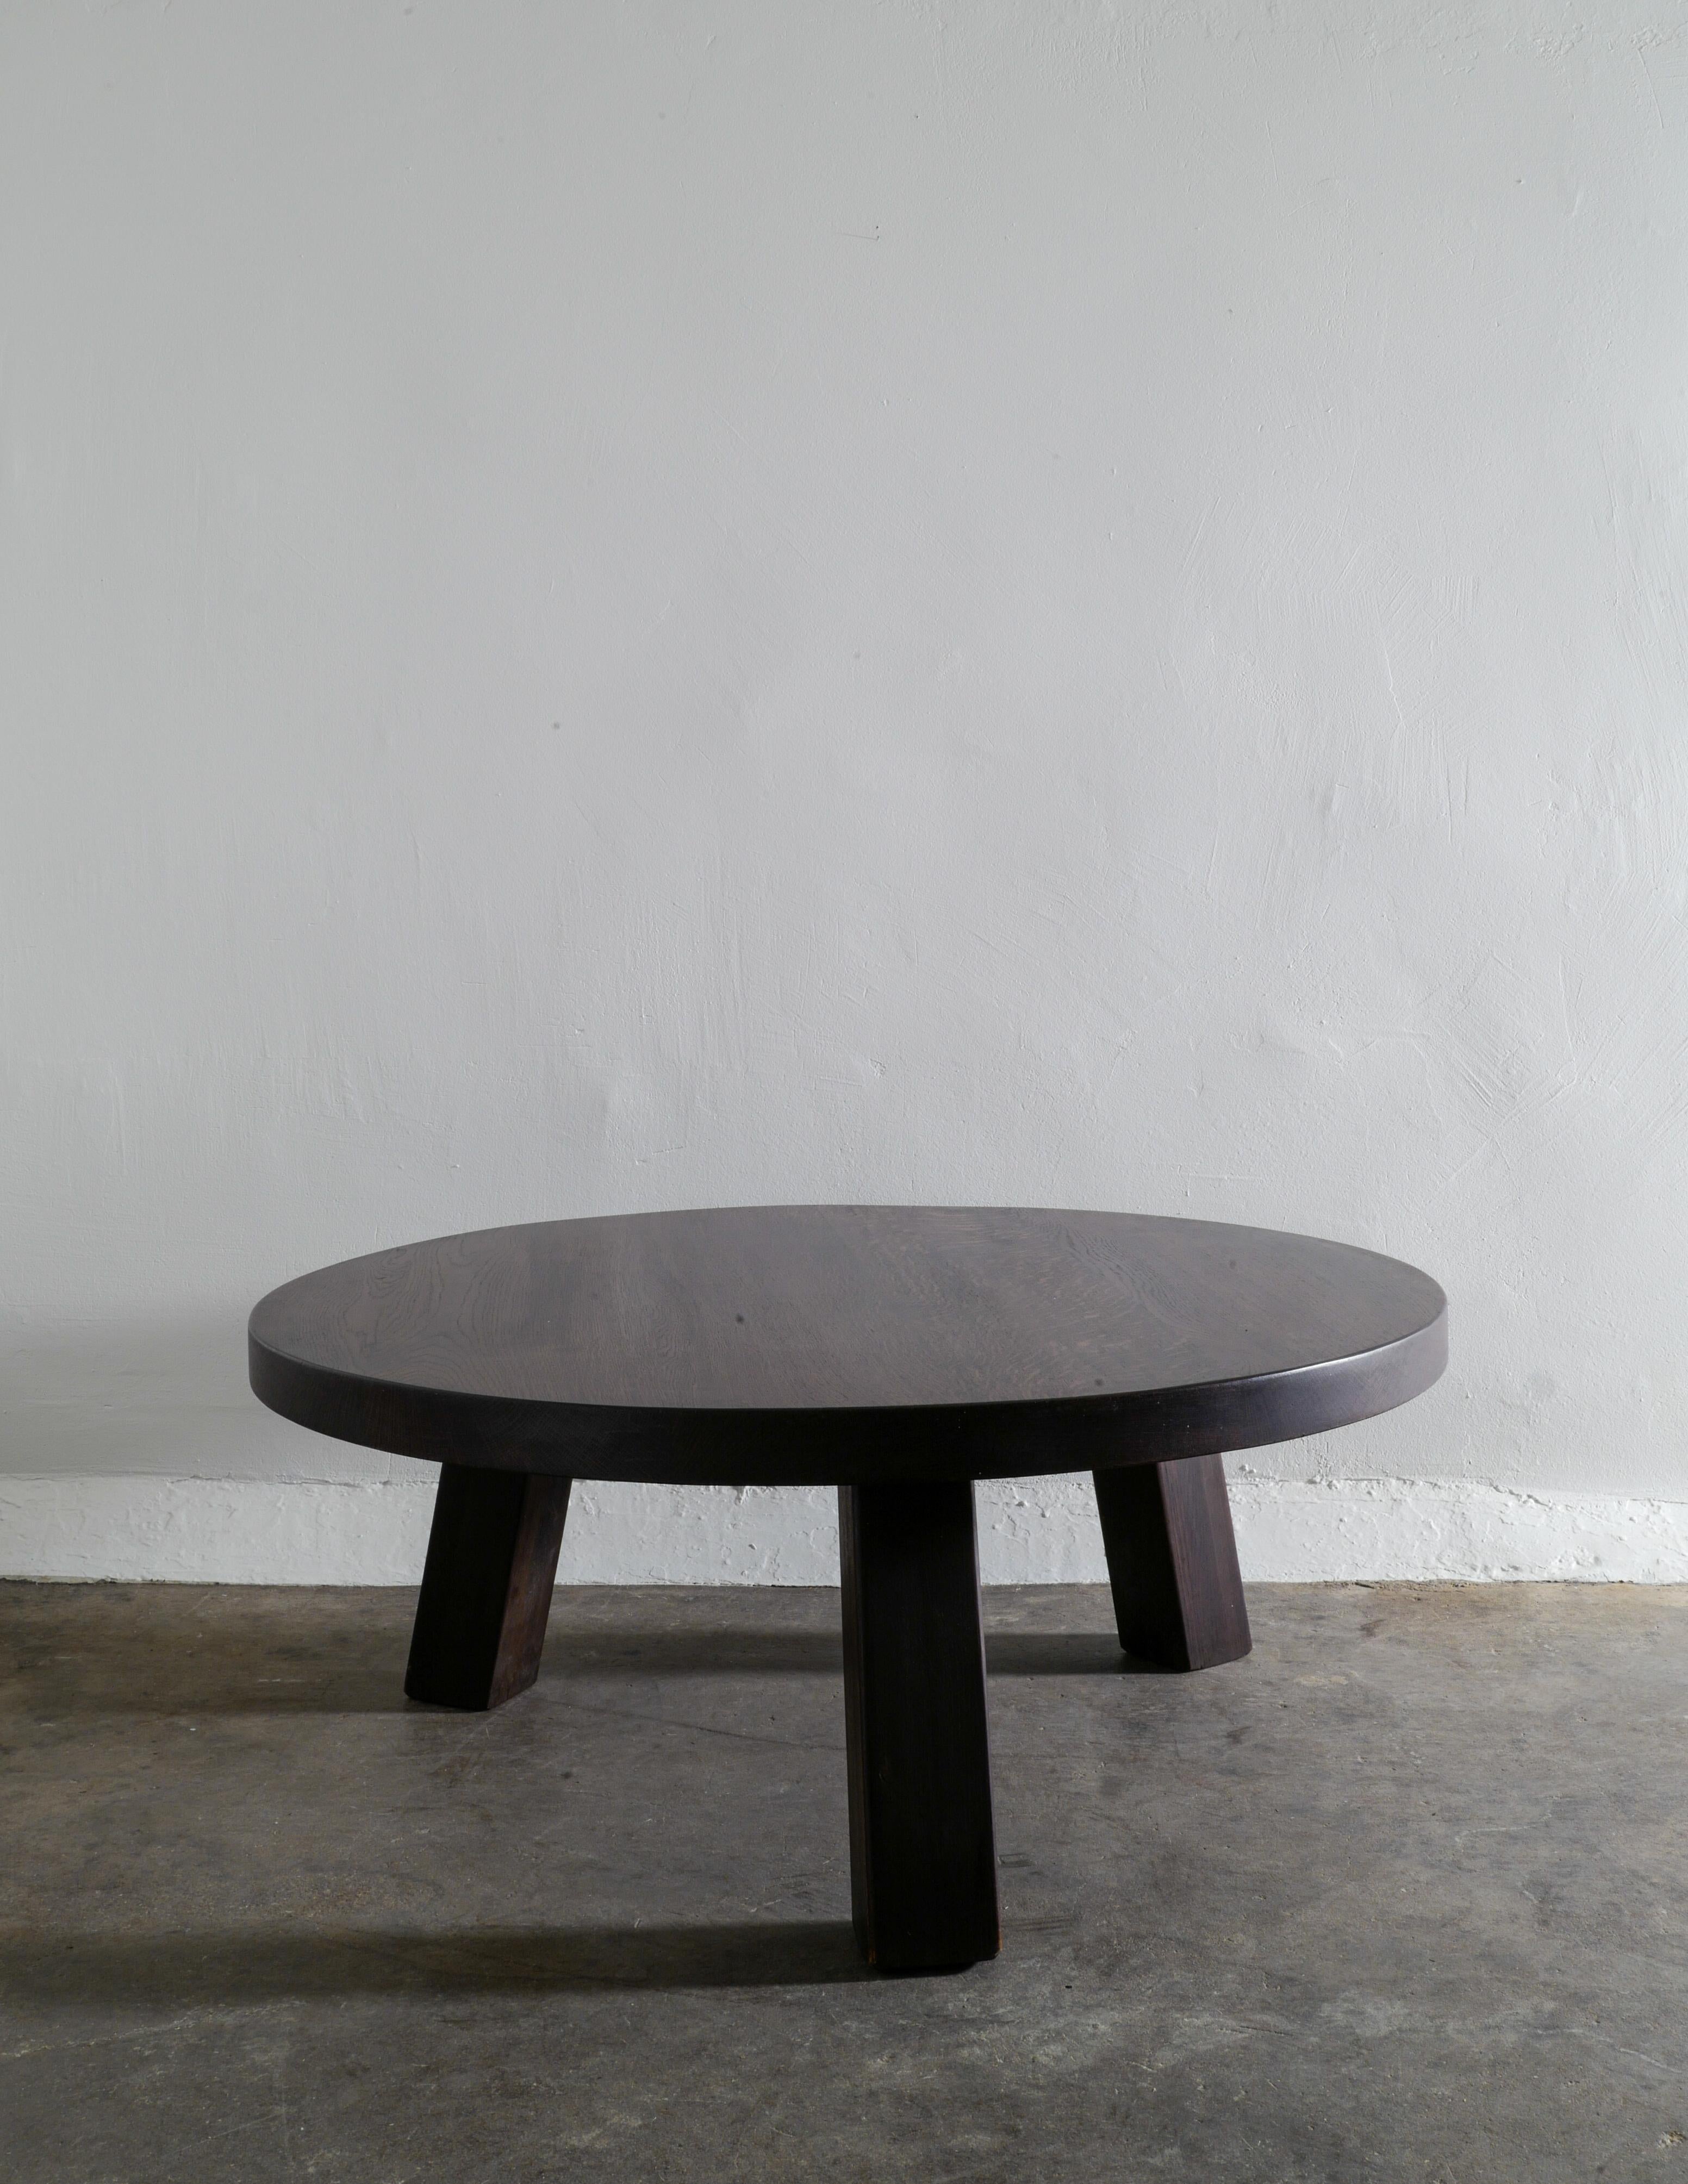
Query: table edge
x=1037 y=1436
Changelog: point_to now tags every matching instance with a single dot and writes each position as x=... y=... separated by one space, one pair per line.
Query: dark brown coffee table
x=899 y=1353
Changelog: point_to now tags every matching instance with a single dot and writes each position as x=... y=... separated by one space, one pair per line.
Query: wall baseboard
x=246 y=1531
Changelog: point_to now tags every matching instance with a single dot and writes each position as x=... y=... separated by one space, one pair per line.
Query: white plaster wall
x=607 y=607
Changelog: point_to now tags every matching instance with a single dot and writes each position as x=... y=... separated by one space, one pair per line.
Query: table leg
x=1173 y=1561
x=486 y=1587
x=922 y=1846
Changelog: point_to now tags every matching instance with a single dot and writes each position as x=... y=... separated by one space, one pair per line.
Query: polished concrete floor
x=1401 y=1895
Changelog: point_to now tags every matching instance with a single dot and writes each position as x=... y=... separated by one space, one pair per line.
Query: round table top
x=819 y=1344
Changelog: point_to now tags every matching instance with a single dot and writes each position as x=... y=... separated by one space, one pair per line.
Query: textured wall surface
x=610 y=607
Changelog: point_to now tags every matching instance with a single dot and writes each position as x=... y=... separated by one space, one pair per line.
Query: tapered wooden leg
x=922 y=1845
x=1173 y=1561
x=486 y=1587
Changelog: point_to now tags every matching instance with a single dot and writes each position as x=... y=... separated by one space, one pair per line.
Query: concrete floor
x=1402 y=1896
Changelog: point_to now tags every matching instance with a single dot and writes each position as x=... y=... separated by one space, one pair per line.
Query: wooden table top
x=812 y=1344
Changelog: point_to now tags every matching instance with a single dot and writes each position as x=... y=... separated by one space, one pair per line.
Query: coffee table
x=898 y=1353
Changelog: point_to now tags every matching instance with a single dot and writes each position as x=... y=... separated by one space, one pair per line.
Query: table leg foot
x=922 y=1845
x=486 y=1587
x=1173 y=1561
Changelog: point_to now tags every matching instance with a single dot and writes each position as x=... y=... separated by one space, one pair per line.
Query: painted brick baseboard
x=206 y=1531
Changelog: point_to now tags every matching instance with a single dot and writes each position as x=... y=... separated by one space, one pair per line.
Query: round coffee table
x=899 y=1353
